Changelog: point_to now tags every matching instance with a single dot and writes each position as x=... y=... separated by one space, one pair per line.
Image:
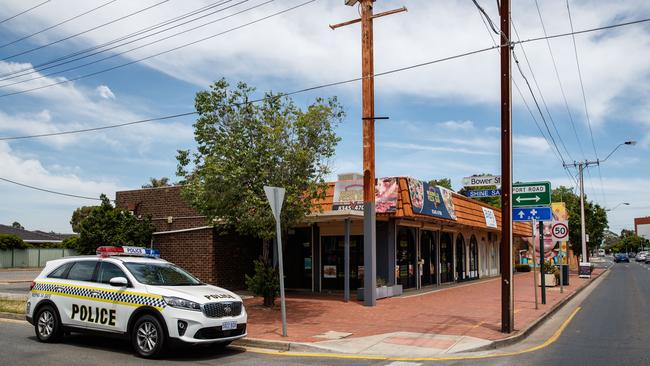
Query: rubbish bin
x=565 y=274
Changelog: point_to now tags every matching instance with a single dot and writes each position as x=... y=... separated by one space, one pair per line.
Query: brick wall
x=191 y=250
x=161 y=203
x=217 y=259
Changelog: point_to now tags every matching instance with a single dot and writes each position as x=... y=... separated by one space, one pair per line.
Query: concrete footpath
x=451 y=320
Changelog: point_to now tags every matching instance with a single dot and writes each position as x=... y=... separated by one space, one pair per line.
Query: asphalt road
x=612 y=328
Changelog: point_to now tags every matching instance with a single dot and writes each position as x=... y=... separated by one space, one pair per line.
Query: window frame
x=64 y=275
x=123 y=270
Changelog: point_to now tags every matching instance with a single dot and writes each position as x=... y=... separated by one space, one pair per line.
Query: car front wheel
x=148 y=337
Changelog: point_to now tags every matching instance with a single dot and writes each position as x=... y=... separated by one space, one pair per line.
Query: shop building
x=426 y=236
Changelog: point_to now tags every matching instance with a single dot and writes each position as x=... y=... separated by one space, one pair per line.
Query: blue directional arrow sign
x=532 y=213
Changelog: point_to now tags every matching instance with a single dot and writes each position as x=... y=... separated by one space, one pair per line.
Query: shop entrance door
x=406 y=257
x=298 y=259
x=428 y=257
x=446 y=258
x=460 y=257
x=473 y=258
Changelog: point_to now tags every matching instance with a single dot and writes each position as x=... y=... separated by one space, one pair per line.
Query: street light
x=617 y=206
x=581 y=167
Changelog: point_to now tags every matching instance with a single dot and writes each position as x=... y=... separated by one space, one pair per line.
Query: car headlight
x=177 y=302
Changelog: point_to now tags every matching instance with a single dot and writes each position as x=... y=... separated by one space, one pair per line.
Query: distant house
x=34 y=237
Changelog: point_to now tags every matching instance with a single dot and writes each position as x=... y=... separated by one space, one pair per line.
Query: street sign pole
x=275 y=195
x=541 y=261
x=535 y=265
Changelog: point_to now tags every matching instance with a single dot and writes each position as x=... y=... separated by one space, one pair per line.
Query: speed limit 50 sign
x=560 y=230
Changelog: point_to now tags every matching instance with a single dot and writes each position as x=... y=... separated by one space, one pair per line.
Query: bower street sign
x=531 y=194
x=482 y=181
x=532 y=213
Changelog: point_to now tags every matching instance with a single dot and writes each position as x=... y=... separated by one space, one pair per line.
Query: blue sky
x=444 y=117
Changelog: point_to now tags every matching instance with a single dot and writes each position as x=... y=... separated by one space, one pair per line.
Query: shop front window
x=460 y=258
x=333 y=251
x=405 y=251
x=473 y=257
x=446 y=258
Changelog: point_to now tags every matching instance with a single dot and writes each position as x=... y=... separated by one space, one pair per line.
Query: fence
x=32 y=257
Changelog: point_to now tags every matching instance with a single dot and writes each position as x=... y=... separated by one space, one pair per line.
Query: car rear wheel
x=148 y=337
x=48 y=325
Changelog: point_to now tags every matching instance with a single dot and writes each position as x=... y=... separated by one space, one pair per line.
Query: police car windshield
x=161 y=274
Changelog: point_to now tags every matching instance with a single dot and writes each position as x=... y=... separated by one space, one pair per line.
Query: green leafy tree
x=244 y=146
x=155 y=183
x=492 y=201
x=107 y=225
x=78 y=215
x=8 y=242
x=443 y=182
x=17 y=225
x=595 y=219
x=630 y=243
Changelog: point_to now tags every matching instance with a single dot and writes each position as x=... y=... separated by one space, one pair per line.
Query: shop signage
x=348 y=195
x=490 y=218
x=431 y=200
x=531 y=194
x=329 y=271
x=484 y=193
x=482 y=181
x=532 y=213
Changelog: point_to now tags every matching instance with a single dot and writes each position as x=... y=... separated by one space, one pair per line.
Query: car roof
x=119 y=258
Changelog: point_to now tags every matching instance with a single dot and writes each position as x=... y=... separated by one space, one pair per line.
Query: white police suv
x=131 y=292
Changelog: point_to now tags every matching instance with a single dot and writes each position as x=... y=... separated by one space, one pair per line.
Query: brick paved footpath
x=470 y=309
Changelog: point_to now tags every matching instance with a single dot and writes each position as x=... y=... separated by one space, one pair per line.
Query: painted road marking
x=546 y=343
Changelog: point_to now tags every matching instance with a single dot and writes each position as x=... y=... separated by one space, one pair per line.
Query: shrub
x=550 y=268
x=264 y=282
x=8 y=242
x=70 y=243
x=520 y=267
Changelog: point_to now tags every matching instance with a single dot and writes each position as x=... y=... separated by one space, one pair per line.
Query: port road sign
x=531 y=194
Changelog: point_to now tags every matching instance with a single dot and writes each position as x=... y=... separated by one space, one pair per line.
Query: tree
x=629 y=243
x=8 y=242
x=107 y=225
x=78 y=215
x=443 y=182
x=595 y=219
x=155 y=183
x=492 y=201
x=244 y=146
x=17 y=225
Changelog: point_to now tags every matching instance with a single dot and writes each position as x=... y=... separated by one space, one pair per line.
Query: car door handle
x=94 y=293
x=58 y=289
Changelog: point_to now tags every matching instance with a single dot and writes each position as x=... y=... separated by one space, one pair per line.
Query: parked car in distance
x=621 y=257
x=641 y=256
x=601 y=252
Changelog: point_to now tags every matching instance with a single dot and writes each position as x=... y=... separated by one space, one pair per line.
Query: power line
x=484 y=16
x=98 y=128
x=49 y=191
x=57 y=24
x=135 y=40
x=159 y=53
x=557 y=75
x=70 y=57
x=584 y=100
x=25 y=11
x=325 y=85
x=83 y=32
x=541 y=95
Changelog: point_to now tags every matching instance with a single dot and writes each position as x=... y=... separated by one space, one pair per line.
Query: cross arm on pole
x=378 y=15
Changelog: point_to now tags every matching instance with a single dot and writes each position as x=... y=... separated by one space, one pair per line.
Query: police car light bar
x=106 y=251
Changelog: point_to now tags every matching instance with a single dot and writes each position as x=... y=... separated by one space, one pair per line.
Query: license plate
x=229 y=325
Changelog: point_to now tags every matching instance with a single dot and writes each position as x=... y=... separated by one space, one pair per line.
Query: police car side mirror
x=119 y=282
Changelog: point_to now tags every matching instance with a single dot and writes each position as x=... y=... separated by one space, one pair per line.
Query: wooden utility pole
x=507 y=302
x=368 y=120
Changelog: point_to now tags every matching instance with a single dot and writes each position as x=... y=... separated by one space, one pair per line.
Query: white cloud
x=105 y=92
x=457 y=125
x=531 y=145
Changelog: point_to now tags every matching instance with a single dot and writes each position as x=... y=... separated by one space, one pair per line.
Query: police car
x=130 y=291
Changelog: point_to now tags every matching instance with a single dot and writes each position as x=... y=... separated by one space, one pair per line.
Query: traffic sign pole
x=541 y=261
x=535 y=264
x=275 y=195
